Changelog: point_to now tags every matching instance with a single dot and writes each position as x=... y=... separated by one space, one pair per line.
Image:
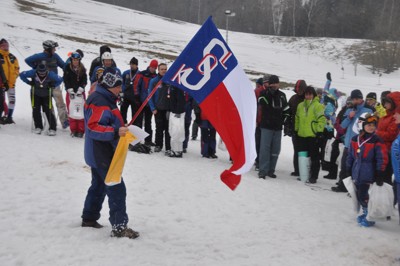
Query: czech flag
x=210 y=73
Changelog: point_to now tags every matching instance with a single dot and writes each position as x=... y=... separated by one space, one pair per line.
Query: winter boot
x=90 y=223
x=332 y=172
x=364 y=222
x=124 y=232
x=362 y=216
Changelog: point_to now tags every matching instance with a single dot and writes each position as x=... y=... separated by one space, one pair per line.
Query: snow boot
x=362 y=216
x=90 y=223
x=364 y=222
x=332 y=172
x=124 y=232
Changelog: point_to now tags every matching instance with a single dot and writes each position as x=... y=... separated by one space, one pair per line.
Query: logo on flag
x=210 y=73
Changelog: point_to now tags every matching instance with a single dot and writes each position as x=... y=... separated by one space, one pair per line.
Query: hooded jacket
x=387 y=128
x=310 y=118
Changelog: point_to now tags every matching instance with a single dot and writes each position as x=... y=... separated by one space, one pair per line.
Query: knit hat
x=41 y=69
x=273 y=80
x=111 y=78
x=3 y=41
x=356 y=94
x=371 y=96
x=153 y=63
x=300 y=86
x=260 y=81
x=134 y=61
x=334 y=93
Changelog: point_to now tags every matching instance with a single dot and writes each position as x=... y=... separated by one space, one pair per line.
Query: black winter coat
x=274 y=109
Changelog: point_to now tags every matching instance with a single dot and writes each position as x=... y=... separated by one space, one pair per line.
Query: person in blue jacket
x=52 y=61
x=395 y=152
x=160 y=106
x=128 y=99
x=103 y=127
x=366 y=162
x=349 y=123
x=42 y=82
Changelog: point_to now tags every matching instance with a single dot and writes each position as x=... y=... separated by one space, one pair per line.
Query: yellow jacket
x=380 y=110
x=10 y=66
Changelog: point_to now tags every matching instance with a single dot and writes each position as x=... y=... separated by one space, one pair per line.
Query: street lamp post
x=228 y=13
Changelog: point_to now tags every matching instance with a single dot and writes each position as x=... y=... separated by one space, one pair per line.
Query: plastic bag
x=328 y=149
x=76 y=107
x=351 y=188
x=132 y=137
x=304 y=166
x=380 y=204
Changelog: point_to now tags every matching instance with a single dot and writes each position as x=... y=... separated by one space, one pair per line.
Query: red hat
x=153 y=63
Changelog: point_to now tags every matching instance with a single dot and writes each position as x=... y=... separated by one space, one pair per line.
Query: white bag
x=351 y=188
x=304 y=166
x=177 y=127
x=328 y=149
x=380 y=204
x=76 y=106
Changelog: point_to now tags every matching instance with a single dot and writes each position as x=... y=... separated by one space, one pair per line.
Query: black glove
x=287 y=130
x=328 y=76
x=348 y=173
x=379 y=180
x=32 y=82
x=6 y=87
x=198 y=119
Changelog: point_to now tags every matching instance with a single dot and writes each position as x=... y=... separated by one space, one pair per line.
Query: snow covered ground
x=185 y=214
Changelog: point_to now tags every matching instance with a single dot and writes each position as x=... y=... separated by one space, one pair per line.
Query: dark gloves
x=379 y=180
x=6 y=87
x=198 y=119
x=287 y=130
x=328 y=76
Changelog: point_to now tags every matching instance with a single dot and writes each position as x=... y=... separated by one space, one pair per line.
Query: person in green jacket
x=309 y=125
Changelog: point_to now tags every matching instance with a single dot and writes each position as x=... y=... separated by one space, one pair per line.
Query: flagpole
x=144 y=103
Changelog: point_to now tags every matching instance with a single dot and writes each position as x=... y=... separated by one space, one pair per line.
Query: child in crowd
x=366 y=161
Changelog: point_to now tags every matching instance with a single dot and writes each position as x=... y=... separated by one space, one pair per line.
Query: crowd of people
x=366 y=129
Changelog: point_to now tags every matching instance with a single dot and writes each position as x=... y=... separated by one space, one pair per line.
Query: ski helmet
x=49 y=44
x=106 y=55
x=41 y=69
x=365 y=118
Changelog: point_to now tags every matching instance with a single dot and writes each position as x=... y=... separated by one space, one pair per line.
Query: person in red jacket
x=388 y=129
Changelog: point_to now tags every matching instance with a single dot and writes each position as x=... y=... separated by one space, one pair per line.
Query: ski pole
x=144 y=103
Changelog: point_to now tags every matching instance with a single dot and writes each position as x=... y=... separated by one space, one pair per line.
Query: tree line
x=359 y=19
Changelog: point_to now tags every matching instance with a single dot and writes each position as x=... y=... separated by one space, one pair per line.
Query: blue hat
x=111 y=78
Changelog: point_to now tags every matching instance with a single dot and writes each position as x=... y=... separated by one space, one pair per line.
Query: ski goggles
x=369 y=119
x=76 y=55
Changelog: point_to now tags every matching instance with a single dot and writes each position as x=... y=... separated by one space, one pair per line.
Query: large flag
x=210 y=73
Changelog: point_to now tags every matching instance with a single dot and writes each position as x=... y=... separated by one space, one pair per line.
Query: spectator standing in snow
x=106 y=61
x=10 y=71
x=160 y=105
x=140 y=87
x=366 y=160
x=128 y=78
x=52 y=61
x=395 y=160
x=98 y=60
x=208 y=139
x=339 y=139
x=371 y=101
x=42 y=83
x=177 y=122
x=294 y=101
x=310 y=122
x=388 y=129
x=274 y=112
x=349 y=123
x=259 y=88
x=104 y=126
x=75 y=80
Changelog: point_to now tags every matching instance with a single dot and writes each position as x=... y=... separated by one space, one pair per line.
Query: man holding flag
x=210 y=73
x=103 y=126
